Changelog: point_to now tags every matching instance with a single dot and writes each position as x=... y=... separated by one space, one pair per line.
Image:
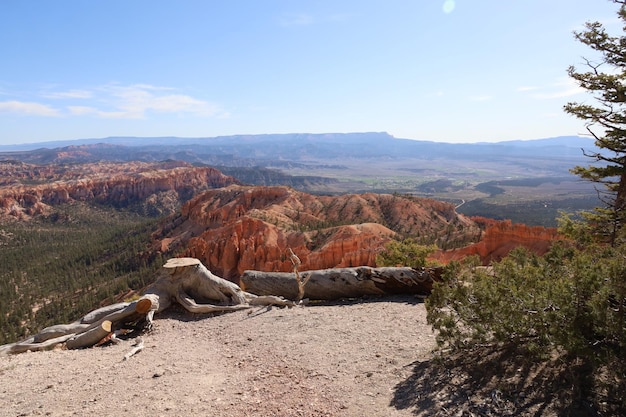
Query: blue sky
x=441 y=70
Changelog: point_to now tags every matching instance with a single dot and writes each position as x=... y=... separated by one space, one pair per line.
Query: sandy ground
x=353 y=358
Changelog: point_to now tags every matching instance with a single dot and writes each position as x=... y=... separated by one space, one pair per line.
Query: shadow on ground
x=502 y=383
x=177 y=312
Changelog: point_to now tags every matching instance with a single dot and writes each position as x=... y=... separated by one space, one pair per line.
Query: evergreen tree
x=605 y=79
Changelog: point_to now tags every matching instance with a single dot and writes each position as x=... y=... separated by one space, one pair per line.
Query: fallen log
x=335 y=283
x=30 y=345
x=190 y=284
x=90 y=337
x=89 y=329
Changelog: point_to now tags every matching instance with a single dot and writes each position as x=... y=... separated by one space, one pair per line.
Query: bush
x=405 y=253
x=570 y=302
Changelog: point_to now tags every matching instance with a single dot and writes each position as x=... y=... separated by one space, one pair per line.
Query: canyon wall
x=237 y=228
x=232 y=228
x=499 y=238
x=32 y=189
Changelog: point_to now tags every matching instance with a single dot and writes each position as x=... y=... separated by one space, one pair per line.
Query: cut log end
x=106 y=326
x=178 y=262
x=90 y=337
x=143 y=306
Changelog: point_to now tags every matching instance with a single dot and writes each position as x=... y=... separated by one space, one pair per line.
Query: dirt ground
x=366 y=357
x=350 y=358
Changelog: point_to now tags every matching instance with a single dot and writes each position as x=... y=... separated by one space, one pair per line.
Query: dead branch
x=138 y=348
x=296 y=264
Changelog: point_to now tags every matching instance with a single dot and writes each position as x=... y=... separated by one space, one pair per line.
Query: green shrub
x=405 y=253
x=570 y=302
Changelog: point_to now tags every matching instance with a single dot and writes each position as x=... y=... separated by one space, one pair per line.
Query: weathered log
x=198 y=290
x=99 y=313
x=335 y=283
x=90 y=337
x=30 y=345
x=89 y=329
x=59 y=330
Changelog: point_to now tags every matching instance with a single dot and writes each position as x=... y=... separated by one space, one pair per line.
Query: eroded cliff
x=237 y=228
x=156 y=188
x=499 y=238
x=232 y=228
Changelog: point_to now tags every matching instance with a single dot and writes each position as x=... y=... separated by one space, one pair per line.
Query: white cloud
x=78 y=94
x=115 y=101
x=296 y=19
x=81 y=110
x=28 y=108
x=526 y=88
x=135 y=101
x=88 y=110
x=562 y=88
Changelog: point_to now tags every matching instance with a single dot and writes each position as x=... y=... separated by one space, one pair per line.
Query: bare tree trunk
x=335 y=283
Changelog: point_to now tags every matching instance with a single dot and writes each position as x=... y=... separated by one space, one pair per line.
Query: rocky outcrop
x=499 y=238
x=34 y=189
x=237 y=228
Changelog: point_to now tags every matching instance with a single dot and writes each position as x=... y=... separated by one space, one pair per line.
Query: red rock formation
x=234 y=228
x=110 y=183
x=499 y=238
x=237 y=228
